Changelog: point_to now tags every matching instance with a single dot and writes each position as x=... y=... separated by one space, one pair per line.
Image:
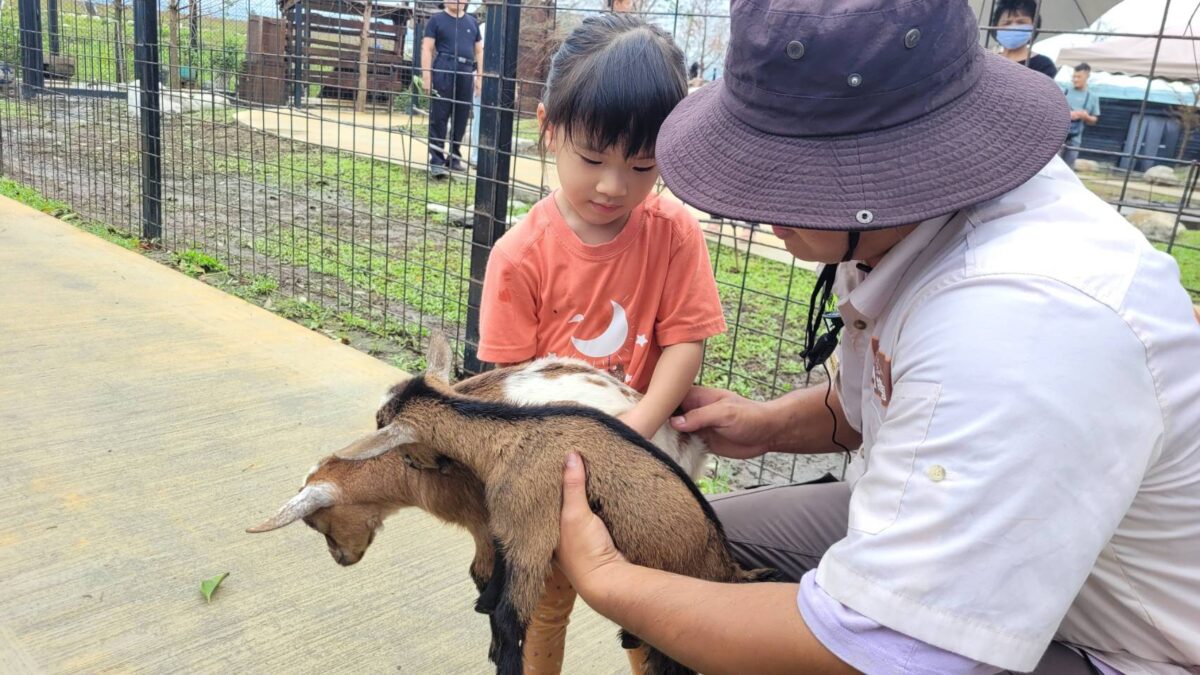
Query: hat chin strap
x=818 y=349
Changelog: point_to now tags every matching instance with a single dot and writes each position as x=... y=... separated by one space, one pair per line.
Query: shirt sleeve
x=1094 y=105
x=869 y=647
x=691 y=308
x=1021 y=421
x=508 y=312
x=431 y=27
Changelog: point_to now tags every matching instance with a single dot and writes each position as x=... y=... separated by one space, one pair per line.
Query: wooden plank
x=321 y=20
x=350 y=81
x=321 y=42
x=377 y=56
x=349 y=66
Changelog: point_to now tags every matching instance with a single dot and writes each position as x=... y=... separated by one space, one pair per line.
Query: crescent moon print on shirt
x=607 y=350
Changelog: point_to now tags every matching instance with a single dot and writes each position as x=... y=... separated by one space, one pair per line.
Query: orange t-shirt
x=614 y=305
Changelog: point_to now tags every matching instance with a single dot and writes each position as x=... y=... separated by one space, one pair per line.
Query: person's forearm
x=427 y=58
x=479 y=60
x=673 y=377
x=711 y=627
x=1091 y=119
x=804 y=425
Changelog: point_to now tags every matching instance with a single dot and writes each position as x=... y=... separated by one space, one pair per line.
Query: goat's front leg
x=489 y=595
x=526 y=538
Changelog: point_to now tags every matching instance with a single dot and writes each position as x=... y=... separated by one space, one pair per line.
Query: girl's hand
x=585 y=552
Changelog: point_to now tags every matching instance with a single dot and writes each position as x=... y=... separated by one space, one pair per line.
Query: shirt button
x=937 y=473
x=860 y=324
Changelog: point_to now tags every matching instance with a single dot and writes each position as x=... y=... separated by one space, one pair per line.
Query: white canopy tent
x=1178 y=57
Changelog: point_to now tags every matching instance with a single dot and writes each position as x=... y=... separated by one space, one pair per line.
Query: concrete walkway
x=146 y=419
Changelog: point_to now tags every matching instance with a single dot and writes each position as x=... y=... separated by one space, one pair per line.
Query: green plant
x=719 y=482
x=34 y=199
x=262 y=284
x=309 y=314
x=194 y=263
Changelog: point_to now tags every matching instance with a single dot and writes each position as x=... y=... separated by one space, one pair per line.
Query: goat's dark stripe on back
x=508 y=412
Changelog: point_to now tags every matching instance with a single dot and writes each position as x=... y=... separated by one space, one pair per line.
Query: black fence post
x=298 y=39
x=33 y=61
x=145 y=31
x=497 y=103
x=52 y=19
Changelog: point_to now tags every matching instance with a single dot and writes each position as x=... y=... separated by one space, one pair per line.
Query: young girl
x=602 y=270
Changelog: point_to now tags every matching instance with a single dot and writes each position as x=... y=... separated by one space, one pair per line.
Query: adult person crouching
x=1020 y=374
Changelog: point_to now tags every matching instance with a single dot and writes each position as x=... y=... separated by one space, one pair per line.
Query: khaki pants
x=789 y=528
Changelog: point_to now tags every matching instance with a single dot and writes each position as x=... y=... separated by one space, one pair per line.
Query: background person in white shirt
x=1019 y=378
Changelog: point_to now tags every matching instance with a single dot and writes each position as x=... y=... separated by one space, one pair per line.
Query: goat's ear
x=438 y=359
x=311 y=498
x=390 y=437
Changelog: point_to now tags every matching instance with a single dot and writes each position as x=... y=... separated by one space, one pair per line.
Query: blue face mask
x=1015 y=37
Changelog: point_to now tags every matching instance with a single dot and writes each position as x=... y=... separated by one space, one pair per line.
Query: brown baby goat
x=655 y=513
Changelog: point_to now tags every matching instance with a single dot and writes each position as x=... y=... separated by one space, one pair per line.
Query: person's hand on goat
x=732 y=426
x=585 y=552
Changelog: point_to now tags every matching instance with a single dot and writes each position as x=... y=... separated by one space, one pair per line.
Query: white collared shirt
x=1026 y=378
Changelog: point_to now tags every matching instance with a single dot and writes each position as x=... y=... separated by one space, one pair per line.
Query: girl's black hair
x=613 y=82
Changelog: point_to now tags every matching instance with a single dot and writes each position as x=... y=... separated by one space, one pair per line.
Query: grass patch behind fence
x=32 y=198
x=1187 y=253
x=429 y=277
x=394 y=191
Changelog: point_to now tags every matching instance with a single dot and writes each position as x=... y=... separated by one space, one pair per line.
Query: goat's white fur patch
x=386 y=397
x=531 y=386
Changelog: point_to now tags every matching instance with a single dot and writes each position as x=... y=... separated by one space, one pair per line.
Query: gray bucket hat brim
x=991 y=139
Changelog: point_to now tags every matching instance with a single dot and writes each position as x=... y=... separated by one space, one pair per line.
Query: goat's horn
x=311 y=498
x=392 y=436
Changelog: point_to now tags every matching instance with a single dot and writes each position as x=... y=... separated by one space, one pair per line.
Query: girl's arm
x=673 y=376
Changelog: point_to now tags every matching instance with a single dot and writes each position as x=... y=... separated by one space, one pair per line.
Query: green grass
x=774 y=303
x=194 y=263
x=90 y=41
x=429 y=277
x=392 y=190
x=34 y=199
x=1187 y=254
x=720 y=482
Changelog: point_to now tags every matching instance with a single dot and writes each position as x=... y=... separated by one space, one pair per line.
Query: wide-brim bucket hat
x=858 y=115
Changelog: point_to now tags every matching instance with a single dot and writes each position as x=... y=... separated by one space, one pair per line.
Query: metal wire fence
x=281 y=151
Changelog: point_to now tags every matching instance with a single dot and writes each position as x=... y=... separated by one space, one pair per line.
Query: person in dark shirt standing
x=1017 y=22
x=451 y=70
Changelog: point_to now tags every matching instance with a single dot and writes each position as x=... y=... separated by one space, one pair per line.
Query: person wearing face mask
x=1016 y=24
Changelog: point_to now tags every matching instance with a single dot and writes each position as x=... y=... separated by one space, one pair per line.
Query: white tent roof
x=1178 y=58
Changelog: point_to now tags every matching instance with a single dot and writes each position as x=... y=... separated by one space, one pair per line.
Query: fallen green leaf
x=209 y=585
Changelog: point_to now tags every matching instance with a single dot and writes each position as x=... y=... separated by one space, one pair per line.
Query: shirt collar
x=875 y=290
